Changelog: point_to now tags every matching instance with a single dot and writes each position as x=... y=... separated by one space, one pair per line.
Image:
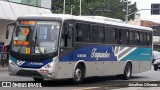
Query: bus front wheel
x=127 y=71
x=38 y=79
x=78 y=74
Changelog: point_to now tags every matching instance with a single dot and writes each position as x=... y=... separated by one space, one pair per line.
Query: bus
x=59 y=46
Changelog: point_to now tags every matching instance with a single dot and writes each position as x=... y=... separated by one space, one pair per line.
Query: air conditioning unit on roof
x=105 y=18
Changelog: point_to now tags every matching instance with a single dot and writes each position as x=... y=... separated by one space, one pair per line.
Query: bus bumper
x=48 y=73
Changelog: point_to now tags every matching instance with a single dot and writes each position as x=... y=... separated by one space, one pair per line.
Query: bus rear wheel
x=127 y=71
x=38 y=79
x=78 y=74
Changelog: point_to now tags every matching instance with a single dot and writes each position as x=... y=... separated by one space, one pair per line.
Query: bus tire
x=78 y=74
x=38 y=79
x=155 y=69
x=127 y=71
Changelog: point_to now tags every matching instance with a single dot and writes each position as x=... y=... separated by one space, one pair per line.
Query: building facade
x=150 y=10
x=149 y=16
x=136 y=20
x=12 y=9
x=38 y=3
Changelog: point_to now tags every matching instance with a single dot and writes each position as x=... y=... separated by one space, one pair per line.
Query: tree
x=107 y=8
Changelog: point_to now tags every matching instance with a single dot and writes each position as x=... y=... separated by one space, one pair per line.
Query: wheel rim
x=78 y=74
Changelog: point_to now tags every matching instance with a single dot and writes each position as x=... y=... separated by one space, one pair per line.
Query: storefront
x=12 y=9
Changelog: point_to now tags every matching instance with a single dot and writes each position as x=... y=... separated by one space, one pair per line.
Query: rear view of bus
x=34 y=47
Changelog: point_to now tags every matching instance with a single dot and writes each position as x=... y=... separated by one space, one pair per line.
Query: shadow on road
x=138 y=77
x=89 y=82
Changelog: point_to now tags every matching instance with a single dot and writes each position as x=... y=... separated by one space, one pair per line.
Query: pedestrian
x=7 y=53
x=0 y=53
x=3 y=55
x=0 y=46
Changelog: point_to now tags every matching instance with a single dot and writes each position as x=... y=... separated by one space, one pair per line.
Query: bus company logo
x=19 y=63
x=97 y=55
x=36 y=63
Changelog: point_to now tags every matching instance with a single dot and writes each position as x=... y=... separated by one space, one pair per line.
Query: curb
x=3 y=69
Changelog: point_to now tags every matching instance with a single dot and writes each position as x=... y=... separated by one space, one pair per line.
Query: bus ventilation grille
x=29 y=73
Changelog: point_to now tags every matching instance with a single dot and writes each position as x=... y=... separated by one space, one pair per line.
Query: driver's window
x=66 y=40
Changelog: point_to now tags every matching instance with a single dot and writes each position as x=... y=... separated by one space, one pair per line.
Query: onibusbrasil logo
x=18 y=84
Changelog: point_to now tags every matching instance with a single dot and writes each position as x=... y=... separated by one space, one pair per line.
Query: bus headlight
x=51 y=64
x=12 y=63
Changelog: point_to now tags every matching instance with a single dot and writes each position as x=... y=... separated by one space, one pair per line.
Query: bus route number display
x=27 y=22
x=21 y=42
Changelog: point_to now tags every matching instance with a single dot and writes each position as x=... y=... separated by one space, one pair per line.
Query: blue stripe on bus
x=30 y=64
x=87 y=54
x=36 y=64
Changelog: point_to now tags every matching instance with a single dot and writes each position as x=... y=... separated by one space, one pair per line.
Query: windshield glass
x=35 y=37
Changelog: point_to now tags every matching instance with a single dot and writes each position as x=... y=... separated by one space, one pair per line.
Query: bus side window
x=101 y=34
x=150 y=38
x=124 y=37
x=116 y=36
x=120 y=36
x=94 y=33
x=110 y=35
x=66 y=40
x=137 y=38
x=131 y=38
x=145 y=39
x=80 y=32
x=141 y=38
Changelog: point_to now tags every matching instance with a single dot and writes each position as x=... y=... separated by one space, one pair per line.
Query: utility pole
x=80 y=8
x=64 y=6
x=127 y=12
x=71 y=9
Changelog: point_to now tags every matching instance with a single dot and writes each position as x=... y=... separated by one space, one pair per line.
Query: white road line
x=88 y=88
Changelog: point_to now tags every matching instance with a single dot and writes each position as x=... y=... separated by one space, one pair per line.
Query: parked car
x=156 y=60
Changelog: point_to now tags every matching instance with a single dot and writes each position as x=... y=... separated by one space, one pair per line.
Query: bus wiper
x=36 y=42
x=36 y=38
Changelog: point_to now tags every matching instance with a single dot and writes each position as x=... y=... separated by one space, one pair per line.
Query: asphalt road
x=109 y=82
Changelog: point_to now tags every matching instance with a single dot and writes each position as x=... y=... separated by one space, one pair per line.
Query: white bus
x=59 y=46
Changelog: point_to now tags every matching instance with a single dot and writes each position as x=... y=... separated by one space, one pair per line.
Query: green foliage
x=107 y=8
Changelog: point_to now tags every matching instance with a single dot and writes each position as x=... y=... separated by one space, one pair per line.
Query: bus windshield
x=35 y=37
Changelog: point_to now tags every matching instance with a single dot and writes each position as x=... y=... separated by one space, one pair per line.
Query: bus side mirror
x=9 y=27
x=7 y=34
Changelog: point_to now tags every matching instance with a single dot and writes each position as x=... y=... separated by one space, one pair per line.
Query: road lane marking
x=88 y=88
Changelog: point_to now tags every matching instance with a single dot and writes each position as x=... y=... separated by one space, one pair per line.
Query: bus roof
x=84 y=18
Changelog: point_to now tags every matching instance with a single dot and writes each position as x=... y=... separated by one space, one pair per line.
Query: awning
x=11 y=11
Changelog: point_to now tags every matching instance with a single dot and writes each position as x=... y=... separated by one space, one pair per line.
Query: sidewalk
x=3 y=69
